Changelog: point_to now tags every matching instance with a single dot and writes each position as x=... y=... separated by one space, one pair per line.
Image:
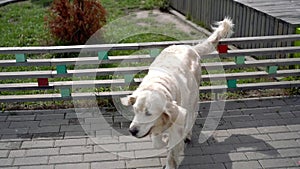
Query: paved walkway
x=252 y=134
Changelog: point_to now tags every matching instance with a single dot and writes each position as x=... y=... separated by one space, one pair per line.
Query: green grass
x=21 y=24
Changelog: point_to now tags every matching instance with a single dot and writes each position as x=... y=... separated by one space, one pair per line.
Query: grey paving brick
x=294 y=127
x=258 y=155
x=126 y=155
x=139 y=146
x=73 y=166
x=219 y=158
x=65 y=159
x=197 y=159
x=217 y=149
x=245 y=124
x=75 y=128
x=288 y=121
x=294 y=152
x=3 y=118
x=21 y=118
x=47 y=135
x=251 y=146
x=49 y=116
x=254 y=138
x=9 y=167
x=6 y=161
x=110 y=147
x=24 y=124
x=9 y=145
x=151 y=162
x=3 y=153
x=272 y=129
x=243 y=131
x=284 y=136
x=123 y=139
x=37 y=167
x=55 y=122
x=42 y=152
x=207 y=166
x=96 y=157
x=45 y=129
x=150 y=153
x=108 y=165
x=243 y=165
x=70 y=142
x=284 y=144
x=16 y=153
x=223 y=140
x=76 y=150
x=31 y=160
x=9 y=131
x=276 y=163
x=266 y=116
x=4 y=124
x=286 y=115
x=38 y=144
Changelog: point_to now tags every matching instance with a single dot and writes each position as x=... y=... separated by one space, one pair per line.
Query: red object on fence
x=222 y=48
x=43 y=82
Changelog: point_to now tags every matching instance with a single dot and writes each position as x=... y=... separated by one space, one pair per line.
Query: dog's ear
x=177 y=114
x=129 y=100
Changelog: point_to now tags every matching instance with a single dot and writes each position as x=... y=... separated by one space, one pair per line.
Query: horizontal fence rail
x=25 y=79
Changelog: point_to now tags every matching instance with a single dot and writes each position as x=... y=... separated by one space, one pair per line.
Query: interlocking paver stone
x=108 y=165
x=73 y=166
x=38 y=144
x=65 y=159
x=275 y=163
x=5 y=162
x=100 y=157
x=76 y=150
x=3 y=153
x=42 y=152
x=143 y=163
x=31 y=160
x=243 y=165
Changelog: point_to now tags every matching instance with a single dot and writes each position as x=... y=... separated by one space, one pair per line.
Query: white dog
x=167 y=99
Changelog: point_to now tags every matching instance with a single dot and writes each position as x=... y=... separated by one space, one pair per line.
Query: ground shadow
x=223 y=154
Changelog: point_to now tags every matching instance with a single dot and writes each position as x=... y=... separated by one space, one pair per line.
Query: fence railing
x=99 y=74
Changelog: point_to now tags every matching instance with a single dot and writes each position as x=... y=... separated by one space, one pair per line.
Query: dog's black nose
x=133 y=131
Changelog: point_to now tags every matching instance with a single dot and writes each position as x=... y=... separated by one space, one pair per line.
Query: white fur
x=167 y=99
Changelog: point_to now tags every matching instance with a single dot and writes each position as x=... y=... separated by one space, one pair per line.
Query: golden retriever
x=167 y=99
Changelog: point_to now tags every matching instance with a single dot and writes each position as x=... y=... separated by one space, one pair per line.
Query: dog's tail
x=224 y=29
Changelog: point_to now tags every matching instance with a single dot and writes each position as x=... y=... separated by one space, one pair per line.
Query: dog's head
x=153 y=114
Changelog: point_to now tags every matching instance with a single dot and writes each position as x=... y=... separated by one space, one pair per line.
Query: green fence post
x=102 y=55
x=61 y=69
x=272 y=69
x=21 y=58
x=65 y=92
x=154 y=52
x=128 y=78
x=240 y=60
x=231 y=83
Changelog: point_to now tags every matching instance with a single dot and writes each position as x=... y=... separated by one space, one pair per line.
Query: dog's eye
x=147 y=113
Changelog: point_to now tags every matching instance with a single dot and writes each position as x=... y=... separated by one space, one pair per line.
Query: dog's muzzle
x=134 y=131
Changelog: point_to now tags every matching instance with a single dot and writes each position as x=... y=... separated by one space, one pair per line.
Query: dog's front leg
x=157 y=141
x=173 y=156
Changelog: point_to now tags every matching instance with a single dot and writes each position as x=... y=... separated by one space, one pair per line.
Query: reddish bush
x=74 y=22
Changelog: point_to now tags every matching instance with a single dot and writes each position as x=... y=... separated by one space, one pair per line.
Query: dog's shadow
x=225 y=153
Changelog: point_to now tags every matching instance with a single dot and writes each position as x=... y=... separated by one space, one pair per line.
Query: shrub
x=72 y=23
